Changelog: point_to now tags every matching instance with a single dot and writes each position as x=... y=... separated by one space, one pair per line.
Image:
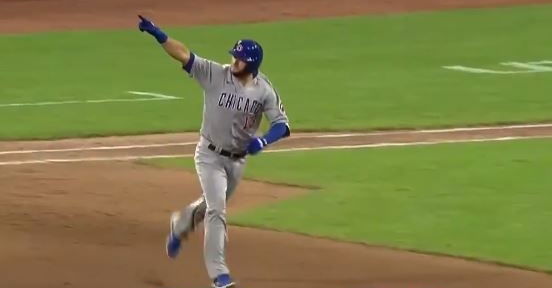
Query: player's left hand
x=256 y=145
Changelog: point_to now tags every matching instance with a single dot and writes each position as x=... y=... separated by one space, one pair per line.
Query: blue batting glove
x=148 y=26
x=256 y=145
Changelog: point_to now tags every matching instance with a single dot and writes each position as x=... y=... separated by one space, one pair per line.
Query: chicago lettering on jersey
x=236 y=102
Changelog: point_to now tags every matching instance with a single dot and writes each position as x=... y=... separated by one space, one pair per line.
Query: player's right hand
x=146 y=25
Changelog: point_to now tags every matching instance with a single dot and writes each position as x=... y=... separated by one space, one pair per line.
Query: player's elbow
x=288 y=131
x=182 y=56
x=284 y=129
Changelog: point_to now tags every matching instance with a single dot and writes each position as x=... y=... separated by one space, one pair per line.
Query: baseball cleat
x=181 y=225
x=223 y=281
x=173 y=240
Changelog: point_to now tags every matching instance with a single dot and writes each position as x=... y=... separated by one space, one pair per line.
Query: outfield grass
x=348 y=73
x=485 y=200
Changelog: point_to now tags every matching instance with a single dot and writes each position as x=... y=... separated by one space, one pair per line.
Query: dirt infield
x=102 y=223
x=92 y=222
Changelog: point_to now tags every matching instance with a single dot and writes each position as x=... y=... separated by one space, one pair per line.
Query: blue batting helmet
x=250 y=52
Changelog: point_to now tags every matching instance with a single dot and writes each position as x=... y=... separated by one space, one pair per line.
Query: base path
x=183 y=144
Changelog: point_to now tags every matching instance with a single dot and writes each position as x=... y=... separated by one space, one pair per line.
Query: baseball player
x=235 y=97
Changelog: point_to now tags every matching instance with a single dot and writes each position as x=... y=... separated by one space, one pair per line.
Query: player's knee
x=215 y=213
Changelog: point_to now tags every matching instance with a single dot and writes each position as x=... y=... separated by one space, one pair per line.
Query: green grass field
x=348 y=73
x=484 y=200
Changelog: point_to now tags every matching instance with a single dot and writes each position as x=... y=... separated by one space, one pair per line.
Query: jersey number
x=249 y=122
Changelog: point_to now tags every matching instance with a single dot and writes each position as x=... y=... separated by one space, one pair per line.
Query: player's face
x=237 y=66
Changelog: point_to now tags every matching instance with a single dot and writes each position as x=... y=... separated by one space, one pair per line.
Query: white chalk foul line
x=375 y=145
x=93 y=159
x=154 y=97
x=98 y=148
x=426 y=131
x=488 y=71
x=398 y=144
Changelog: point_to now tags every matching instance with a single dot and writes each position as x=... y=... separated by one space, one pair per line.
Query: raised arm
x=177 y=50
x=174 y=48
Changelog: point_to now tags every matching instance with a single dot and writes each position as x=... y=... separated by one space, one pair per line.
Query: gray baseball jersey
x=232 y=112
x=231 y=115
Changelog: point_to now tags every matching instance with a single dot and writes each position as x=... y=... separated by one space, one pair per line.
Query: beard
x=241 y=74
